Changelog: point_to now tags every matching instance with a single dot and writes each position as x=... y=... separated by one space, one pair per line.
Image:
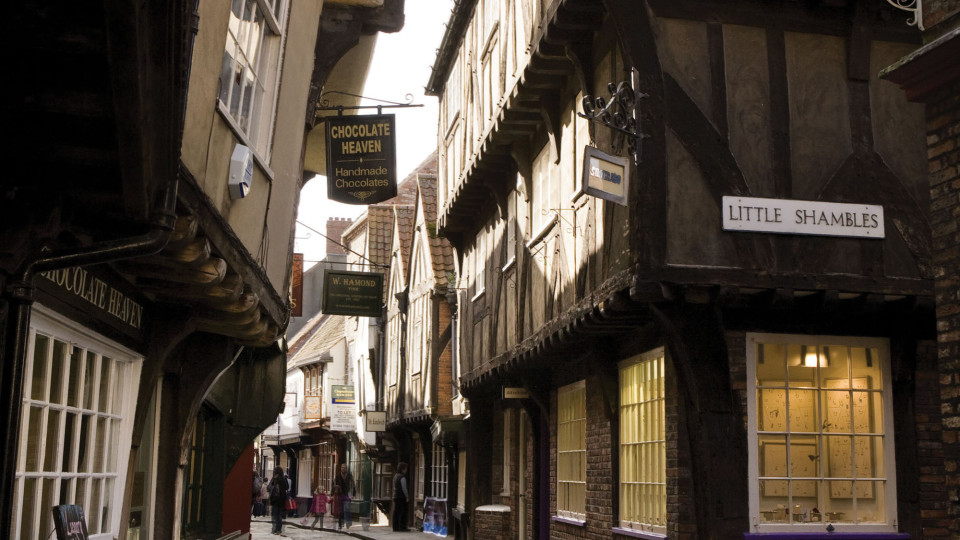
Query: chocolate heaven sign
x=361 y=158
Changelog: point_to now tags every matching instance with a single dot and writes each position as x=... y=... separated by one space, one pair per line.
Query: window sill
x=831 y=535
x=238 y=133
x=569 y=521
x=510 y=264
x=542 y=233
x=478 y=296
x=636 y=533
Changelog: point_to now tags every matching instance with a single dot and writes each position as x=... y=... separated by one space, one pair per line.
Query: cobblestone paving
x=260 y=530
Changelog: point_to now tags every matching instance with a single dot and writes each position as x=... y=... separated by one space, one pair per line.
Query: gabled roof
x=440 y=250
x=322 y=336
x=406 y=217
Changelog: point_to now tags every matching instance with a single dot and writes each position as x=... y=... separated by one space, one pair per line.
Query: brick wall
x=681 y=516
x=335 y=228
x=492 y=525
x=943 y=151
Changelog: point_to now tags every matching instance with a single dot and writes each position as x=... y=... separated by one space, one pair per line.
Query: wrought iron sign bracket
x=324 y=104
x=619 y=114
x=913 y=6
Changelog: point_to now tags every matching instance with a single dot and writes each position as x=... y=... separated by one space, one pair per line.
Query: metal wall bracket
x=913 y=6
x=619 y=114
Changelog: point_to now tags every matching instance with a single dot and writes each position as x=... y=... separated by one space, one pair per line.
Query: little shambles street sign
x=789 y=216
x=361 y=158
x=352 y=293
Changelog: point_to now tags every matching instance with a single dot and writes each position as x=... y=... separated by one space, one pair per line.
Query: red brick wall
x=943 y=151
x=335 y=228
x=492 y=525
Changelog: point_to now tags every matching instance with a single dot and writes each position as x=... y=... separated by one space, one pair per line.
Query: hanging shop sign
x=375 y=421
x=296 y=286
x=343 y=414
x=312 y=407
x=515 y=392
x=69 y=522
x=605 y=176
x=352 y=293
x=789 y=216
x=361 y=158
x=95 y=296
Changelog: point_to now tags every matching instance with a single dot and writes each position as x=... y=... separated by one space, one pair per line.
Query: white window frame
x=579 y=386
x=658 y=400
x=268 y=47
x=889 y=459
x=439 y=472
x=123 y=381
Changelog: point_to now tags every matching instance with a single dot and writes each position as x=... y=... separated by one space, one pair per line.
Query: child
x=319 y=507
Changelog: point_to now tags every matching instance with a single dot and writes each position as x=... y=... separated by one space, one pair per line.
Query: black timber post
x=711 y=416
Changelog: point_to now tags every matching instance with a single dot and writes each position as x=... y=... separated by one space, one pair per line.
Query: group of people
x=278 y=493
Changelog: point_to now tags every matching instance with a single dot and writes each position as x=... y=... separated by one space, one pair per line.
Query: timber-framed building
x=643 y=369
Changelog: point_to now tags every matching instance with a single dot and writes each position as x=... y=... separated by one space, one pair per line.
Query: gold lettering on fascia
x=78 y=282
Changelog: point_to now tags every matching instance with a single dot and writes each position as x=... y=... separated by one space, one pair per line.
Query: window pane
x=89 y=380
x=38 y=382
x=83 y=456
x=69 y=449
x=76 y=368
x=51 y=447
x=56 y=372
x=34 y=435
x=93 y=515
x=28 y=525
x=47 y=502
x=106 y=369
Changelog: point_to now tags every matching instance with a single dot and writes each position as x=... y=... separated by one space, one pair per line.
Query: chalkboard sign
x=69 y=522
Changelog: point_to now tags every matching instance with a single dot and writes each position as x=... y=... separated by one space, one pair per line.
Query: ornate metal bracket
x=913 y=6
x=324 y=103
x=619 y=114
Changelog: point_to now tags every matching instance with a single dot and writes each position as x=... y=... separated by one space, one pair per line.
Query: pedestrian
x=401 y=498
x=258 y=509
x=344 y=481
x=278 y=498
x=319 y=507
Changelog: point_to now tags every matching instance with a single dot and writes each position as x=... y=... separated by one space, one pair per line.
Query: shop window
x=572 y=451
x=421 y=473
x=248 y=76
x=461 y=479
x=643 y=486
x=79 y=396
x=199 y=457
x=326 y=458
x=821 y=433
x=438 y=472
x=383 y=480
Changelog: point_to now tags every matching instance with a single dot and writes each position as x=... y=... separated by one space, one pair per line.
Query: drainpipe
x=19 y=295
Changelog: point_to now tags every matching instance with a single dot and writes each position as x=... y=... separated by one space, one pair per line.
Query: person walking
x=344 y=481
x=318 y=507
x=258 y=509
x=278 y=499
x=401 y=498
